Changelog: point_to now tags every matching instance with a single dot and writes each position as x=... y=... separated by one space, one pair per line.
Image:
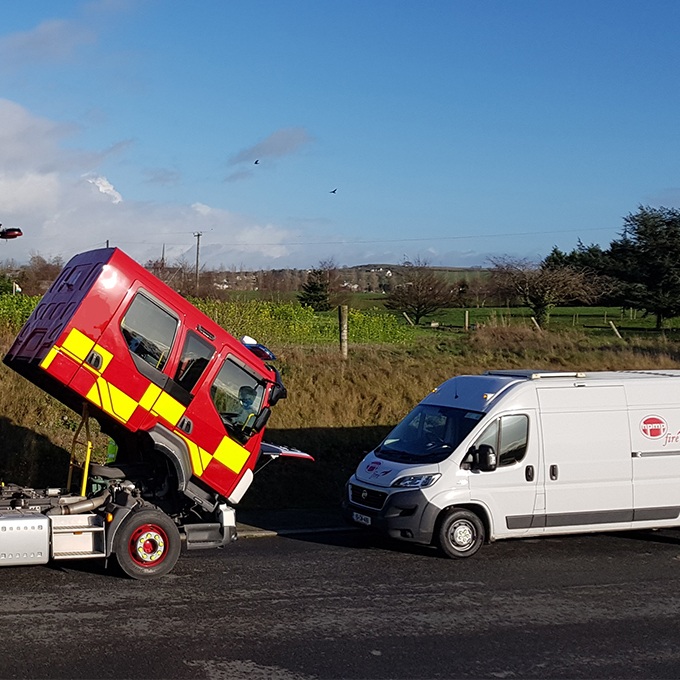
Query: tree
x=337 y=294
x=543 y=287
x=584 y=258
x=314 y=292
x=646 y=260
x=421 y=291
x=36 y=277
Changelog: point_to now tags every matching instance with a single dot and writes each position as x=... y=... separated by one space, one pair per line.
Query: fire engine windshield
x=238 y=397
x=429 y=434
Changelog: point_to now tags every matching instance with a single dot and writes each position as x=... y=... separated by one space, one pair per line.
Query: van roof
x=529 y=374
x=481 y=392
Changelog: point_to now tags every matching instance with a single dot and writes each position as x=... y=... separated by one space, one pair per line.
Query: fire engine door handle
x=185 y=425
x=95 y=360
x=529 y=473
x=553 y=472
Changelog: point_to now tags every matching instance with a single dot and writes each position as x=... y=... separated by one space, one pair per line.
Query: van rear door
x=587 y=454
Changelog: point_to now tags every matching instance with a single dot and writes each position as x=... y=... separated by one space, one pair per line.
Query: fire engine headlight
x=416 y=481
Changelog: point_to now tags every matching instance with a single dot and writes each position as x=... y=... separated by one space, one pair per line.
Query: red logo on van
x=653 y=427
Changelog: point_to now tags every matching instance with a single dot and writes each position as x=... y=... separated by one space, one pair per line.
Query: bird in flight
x=333 y=191
x=257 y=162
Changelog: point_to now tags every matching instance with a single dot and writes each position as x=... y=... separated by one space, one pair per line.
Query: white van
x=525 y=453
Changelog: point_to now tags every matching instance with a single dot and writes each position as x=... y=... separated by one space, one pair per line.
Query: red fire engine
x=185 y=402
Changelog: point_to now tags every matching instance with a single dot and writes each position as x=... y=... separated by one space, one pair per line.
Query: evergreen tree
x=646 y=260
x=315 y=292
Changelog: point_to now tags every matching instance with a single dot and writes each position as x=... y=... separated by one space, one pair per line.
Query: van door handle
x=529 y=473
x=185 y=425
x=553 y=472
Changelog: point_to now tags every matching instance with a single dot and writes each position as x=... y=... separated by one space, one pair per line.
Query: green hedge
x=268 y=322
x=286 y=322
x=15 y=309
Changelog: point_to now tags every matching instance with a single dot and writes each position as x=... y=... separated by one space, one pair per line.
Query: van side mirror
x=488 y=461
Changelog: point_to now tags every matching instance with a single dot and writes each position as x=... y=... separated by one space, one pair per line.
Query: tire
x=461 y=534
x=147 y=544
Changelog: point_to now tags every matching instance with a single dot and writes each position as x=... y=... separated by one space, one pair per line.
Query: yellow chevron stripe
x=112 y=400
x=77 y=344
x=231 y=454
x=200 y=458
x=195 y=455
x=205 y=457
x=49 y=358
x=168 y=408
x=149 y=397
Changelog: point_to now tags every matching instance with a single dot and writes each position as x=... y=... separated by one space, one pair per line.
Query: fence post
x=467 y=319
x=342 y=320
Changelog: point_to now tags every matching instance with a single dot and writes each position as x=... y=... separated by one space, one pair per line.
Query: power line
x=394 y=240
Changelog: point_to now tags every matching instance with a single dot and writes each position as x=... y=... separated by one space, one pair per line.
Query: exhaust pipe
x=79 y=507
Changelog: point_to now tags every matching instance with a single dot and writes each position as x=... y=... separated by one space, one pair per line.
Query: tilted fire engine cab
x=185 y=402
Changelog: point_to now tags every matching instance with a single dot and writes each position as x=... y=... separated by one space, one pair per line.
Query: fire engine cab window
x=149 y=331
x=196 y=355
x=237 y=396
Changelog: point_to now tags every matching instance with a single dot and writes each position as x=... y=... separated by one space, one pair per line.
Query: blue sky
x=453 y=131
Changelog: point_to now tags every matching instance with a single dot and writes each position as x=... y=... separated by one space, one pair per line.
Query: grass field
x=337 y=409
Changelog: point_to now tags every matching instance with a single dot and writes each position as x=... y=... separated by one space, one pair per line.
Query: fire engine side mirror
x=261 y=419
x=278 y=392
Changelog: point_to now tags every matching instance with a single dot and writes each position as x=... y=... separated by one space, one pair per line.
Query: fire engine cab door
x=587 y=454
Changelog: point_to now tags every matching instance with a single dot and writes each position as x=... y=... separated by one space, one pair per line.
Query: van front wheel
x=461 y=533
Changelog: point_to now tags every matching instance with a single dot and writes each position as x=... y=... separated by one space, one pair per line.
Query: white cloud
x=64 y=204
x=105 y=187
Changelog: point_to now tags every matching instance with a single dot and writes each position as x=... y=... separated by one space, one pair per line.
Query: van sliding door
x=586 y=446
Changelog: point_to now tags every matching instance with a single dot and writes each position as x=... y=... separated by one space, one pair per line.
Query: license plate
x=361 y=519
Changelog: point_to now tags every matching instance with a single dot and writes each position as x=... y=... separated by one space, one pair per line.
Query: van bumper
x=405 y=515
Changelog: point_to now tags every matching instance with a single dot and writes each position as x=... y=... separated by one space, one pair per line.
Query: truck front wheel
x=147 y=544
x=461 y=533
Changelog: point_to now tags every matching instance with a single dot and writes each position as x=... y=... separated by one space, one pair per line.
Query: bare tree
x=421 y=292
x=36 y=277
x=541 y=288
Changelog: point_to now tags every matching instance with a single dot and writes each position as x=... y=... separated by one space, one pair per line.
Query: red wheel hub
x=148 y=545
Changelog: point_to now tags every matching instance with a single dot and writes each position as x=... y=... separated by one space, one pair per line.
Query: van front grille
x=366 y=497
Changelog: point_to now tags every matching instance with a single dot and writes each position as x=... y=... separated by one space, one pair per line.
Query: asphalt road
x=343 y=605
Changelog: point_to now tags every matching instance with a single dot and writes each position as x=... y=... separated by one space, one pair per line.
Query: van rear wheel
x=461 y=533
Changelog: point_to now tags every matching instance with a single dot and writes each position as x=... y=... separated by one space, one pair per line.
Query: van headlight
x=416 y=481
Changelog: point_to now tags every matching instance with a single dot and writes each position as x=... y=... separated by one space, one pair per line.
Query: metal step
x=77 y=529
x=77 y=555
x=78 y=536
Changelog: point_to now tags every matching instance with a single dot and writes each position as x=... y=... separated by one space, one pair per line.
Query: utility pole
x=198 y=235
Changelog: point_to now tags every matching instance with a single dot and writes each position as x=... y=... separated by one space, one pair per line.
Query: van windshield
x=428 y=434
